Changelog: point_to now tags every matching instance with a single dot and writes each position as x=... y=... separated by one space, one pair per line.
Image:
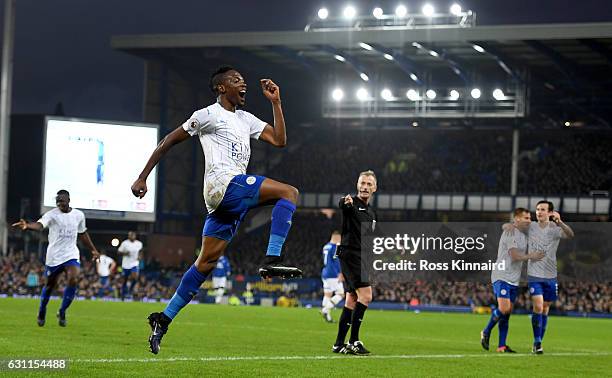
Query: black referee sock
x=344 y=323
x=358 y=313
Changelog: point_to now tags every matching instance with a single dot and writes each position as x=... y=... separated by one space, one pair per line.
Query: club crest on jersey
x=503 y=292
x=193 y=124
x=251 y=180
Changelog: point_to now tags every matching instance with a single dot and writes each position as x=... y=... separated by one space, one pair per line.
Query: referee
x=355 y=212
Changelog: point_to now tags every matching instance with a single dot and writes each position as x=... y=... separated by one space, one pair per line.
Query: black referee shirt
x=352 y=218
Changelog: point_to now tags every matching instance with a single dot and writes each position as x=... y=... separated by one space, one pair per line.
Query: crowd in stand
x=418 y=161
x=573 y=163
x=573 y=296
x=302 y=248
x=22 y=274
x=428 y=161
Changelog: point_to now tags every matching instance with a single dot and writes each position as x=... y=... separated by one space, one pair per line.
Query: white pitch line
x=285 y=358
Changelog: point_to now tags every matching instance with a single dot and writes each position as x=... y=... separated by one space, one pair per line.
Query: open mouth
x=242 y=93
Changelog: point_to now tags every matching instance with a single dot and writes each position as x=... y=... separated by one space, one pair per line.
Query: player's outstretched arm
x=25 y=225
x=178 y=135
x=89 y=244
x=277 y=135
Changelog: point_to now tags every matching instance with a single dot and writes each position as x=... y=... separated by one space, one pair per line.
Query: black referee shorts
x=354 y=276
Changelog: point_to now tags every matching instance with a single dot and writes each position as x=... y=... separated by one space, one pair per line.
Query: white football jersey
x=547 y=240
x=225 y=139
x=63 y=231
x=130 y=260
x=104 y=265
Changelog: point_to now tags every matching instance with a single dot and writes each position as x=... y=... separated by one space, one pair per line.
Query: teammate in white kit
x=105 y=265
x=65 y=224
x=542 y=275
x=224 y=133
x=129 y=249
x=512 y=251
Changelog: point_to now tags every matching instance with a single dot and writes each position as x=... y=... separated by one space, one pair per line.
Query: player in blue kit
x=512 y=251
x=333 y=290
x=220 y=275
x=224 y=133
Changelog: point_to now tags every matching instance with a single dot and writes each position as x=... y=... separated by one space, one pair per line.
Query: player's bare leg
x=350 y=300
x=272 y=190
x=212 y=249
x=284 y=197
x=325 y=306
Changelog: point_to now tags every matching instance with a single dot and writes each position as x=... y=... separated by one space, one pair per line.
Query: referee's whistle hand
x=348 y=200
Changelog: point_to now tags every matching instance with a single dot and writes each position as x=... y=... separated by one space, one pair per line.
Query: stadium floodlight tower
x=5 y=110
x=401 y=18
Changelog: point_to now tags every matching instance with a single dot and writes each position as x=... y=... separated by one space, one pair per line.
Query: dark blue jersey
x=223 y=268
x=331 y=264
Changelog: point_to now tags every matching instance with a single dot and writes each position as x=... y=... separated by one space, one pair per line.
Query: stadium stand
x=158 y=283
x=438 y=161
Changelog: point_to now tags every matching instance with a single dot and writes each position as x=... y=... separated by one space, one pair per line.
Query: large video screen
x=97 y=162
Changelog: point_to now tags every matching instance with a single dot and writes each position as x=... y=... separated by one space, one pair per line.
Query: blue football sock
x=536 y=324
x=495 y=316
x=281 y=223
x=124 y=289
x=504 y=322
x=131 y=287
x=187 y=289
x=44 y=300
x=69 y=293
x=544 y=323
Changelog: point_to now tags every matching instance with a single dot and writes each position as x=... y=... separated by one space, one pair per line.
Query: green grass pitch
x=110 y=339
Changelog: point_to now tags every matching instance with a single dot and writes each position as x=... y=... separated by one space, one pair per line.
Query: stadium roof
x=563 y=63
x=566 y=39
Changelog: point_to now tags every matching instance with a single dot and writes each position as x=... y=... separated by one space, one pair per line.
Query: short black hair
x=63 y=191
x=217 y=77
x=550 y=204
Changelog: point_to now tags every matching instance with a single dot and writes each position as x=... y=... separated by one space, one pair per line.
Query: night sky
x=63 y=53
